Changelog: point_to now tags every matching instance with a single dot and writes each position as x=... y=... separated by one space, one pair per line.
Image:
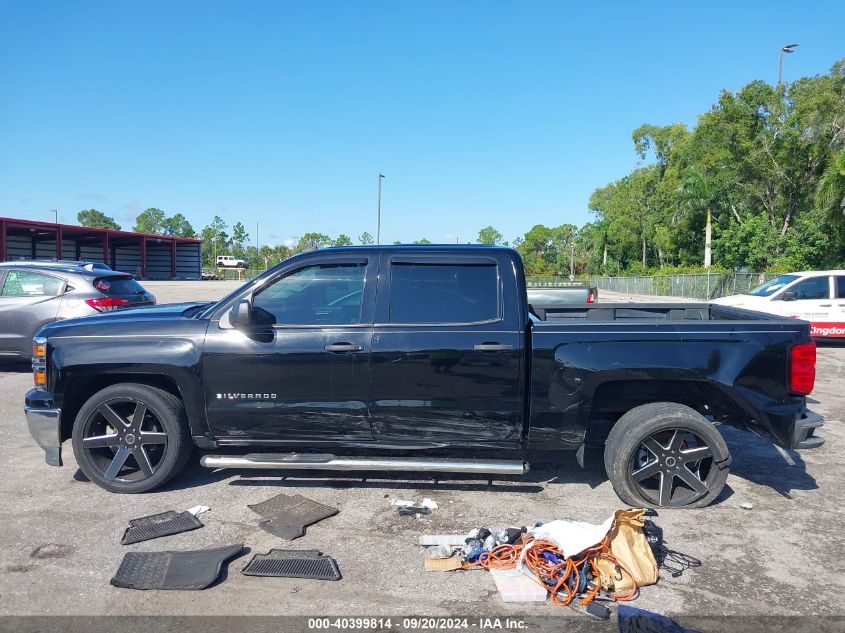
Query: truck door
x=812 y=302
x=306 y=373
x=447 y=363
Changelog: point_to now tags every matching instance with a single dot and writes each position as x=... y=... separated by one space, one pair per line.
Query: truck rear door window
x=326 y=294
x=443 y=293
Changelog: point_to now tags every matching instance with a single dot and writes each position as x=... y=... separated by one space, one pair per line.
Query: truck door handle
x=343 y=347
x=492 y=347
x=825 y=305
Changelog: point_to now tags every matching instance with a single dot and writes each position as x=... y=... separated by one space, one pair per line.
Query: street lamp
x=378 y=220
x=789 y=48
x=56 y=214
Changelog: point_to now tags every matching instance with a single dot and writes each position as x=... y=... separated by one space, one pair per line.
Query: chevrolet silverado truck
x=419 y=358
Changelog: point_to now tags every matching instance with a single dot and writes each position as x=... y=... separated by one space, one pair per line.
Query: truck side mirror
x=241 y=314
x=788 y=295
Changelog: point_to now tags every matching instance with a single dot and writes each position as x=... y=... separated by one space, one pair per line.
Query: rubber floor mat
x=157 y=525
x=290 y=563
x=287 y=516
x=173 y=570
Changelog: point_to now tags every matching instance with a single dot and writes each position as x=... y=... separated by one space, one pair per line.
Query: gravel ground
x=59 y=545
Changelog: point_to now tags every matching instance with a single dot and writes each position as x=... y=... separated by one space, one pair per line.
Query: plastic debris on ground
x=516 y=585
x=412 y=508
x=198 y=510
x=559 y=560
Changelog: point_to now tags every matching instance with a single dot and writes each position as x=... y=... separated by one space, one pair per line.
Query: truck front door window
x=327 y=294
x=812 y=288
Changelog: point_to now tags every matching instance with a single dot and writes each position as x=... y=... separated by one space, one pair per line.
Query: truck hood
x=132 y=319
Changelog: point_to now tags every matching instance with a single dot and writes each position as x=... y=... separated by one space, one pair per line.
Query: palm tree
x=830 y=193
x=699 y=193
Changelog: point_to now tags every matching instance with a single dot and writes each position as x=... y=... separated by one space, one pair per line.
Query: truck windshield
x=772 y=286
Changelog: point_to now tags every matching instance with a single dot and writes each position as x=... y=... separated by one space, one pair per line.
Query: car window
x=325 y=294
x=772 y=286
x=812 y=288
x=23 y=283
x=118 y=286
x=840 y=286
x=438 y=293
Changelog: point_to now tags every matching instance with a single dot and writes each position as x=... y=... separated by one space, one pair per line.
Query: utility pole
x=378 y=221
x=789 y=48
x=56 y=214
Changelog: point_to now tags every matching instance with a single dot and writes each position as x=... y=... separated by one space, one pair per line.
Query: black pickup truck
x=421 y=358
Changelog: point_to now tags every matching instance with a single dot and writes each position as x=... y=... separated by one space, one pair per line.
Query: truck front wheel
x=131 y=438
x=664 y=454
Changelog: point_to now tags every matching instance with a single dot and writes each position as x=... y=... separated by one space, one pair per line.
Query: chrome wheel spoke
x=677 y=440
x=692 y=480
x=117 y=462
x=138 y=416
x=666 y=482
x=100 y=441
x=153 y=438
x=649 y=470
x=143 y=461
x=695 y=454
x=654 y=446
x=112 y=416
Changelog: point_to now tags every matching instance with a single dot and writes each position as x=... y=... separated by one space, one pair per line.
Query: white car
x=229 y=261
x=814 y=296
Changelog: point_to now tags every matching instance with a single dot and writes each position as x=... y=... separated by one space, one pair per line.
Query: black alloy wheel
x=125 y=440
x=131 y=438
x=671 y=467
x=666 y=454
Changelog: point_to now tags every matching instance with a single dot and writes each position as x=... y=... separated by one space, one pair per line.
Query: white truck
x=230 y=261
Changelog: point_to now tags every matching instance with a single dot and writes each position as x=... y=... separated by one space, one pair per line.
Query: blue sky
x=283 y=113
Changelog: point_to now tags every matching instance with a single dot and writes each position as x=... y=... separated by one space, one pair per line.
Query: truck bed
x=649 y=312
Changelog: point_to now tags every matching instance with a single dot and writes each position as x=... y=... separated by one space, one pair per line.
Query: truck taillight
x=591 y=298
x=107 y=303
x=802 y=368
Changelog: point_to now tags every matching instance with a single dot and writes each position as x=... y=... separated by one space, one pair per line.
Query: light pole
x=56 y=214
x=378 y=212
x=789 y=48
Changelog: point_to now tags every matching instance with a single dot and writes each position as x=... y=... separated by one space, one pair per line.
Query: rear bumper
x=44 y=427
x=806 y=422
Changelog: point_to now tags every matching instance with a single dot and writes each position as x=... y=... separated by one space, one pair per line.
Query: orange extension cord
x=506 y=556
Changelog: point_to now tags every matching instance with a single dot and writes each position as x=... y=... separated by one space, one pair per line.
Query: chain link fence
x=702 y=286
x=694 y=286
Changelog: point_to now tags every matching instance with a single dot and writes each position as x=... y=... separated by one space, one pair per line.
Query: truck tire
x=131 y=438
x=664 y=454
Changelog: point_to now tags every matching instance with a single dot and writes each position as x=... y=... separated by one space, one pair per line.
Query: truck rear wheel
x=664 y=454
x=131 y=438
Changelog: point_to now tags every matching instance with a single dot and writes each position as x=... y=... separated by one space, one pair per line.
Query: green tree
x=830 y=192
x=342 y=240
x=424 y=240
x=239 y=238
x=178 y=226
x=215 y=241
x=150 y=221
x=311 y=241
x=489 y=235
x=366 y=239
x=96 y=219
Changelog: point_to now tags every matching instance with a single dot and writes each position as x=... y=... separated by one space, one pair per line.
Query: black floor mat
x=157 y=525
x=286 y=516
x=291 y=563
x=173 y=570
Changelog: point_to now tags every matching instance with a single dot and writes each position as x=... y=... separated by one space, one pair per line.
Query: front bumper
x=806 y=422
x=45 y=428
